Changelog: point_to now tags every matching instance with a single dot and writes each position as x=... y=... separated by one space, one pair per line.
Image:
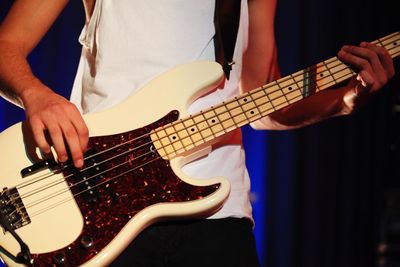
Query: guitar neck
x=200 y=128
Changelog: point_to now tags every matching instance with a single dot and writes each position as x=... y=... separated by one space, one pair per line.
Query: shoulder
x=89 y=5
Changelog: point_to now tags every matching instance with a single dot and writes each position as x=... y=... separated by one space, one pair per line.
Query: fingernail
x=368 y=79
x=364 y=44
x=79 y=163
x=63 y=158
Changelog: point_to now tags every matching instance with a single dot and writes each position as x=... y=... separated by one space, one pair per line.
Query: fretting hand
x=374 y=66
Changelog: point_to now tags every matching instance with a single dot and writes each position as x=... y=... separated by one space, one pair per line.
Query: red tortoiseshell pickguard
x=125 y=175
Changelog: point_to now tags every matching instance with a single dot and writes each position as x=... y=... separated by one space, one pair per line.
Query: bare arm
x=20 y=32
x=259 y=61
x=373 y=63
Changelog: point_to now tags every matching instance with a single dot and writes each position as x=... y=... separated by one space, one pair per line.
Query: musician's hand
x=46 y=110
x=374 y=66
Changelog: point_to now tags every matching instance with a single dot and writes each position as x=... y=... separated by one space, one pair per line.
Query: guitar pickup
x=37 y=167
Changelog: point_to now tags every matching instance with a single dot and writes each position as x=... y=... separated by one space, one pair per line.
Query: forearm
x=16 y=77
x=313 y=109
x=375 y=68
x=260 y=58
x=25 y=24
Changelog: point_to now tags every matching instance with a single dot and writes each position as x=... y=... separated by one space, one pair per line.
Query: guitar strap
x=226 y=22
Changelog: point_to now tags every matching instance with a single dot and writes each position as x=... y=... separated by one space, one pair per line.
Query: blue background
x=317 y=191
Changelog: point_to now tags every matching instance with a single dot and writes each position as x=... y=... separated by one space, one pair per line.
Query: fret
x=194 y=132
x=166 y=139
x=268 y=86
x=248 y=106
x=206 y=132
x=297 y=92
x=379 y=42
x=162 y=141
x=276 y=96
x=199 y=121
x=236 y=112
x=388 y=41
x=199 y=136
x=346 y=74
x=328 y=62
x=324 y=76
x=273 y=94
x=183 y=135
x=282 y=84
x=242 y=101
x=170 y=132
x=261 y=100
x=392 y=44
x=176 y=141
x=339 y=71
x=213 y=122
x=157 y=144
x=229 y=123
x=170 y=140
x=224 y=117
x=170 y=151
x=188 y=140
x=251 y=108
x=291 y=89
x=295 y=84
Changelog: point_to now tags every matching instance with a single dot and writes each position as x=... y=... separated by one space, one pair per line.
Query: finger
x=365 y=79
x=80 y=127
x=38 y=134
x=384 y=57
x=57 y=139
x=366 y=59
x=72 y=139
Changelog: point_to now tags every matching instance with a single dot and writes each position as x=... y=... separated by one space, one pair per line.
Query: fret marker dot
x=213 y=121
x=290 y=88
x=174 y=137
x=252 y=112
x=245 y=99
x=192 y=129
x=321 y=75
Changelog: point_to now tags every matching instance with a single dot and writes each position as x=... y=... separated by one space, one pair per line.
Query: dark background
x=320 y=193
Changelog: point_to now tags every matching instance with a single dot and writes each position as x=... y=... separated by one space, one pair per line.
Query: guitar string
x=54 y=194
x=117 y=155
x=253 y=91
x=22 y=185
x=145 y=144
x=127 y=143
x=164 y=126
x=106 y=181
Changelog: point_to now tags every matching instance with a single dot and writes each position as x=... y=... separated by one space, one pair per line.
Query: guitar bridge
x=12 y=210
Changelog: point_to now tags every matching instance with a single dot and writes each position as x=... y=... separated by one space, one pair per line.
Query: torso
x=129 y=42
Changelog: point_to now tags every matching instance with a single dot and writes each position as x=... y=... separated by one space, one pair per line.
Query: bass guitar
x=54 y=214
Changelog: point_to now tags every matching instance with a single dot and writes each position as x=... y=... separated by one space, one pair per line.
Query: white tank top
x=129 y=42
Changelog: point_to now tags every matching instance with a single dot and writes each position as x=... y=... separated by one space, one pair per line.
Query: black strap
x=226 y=21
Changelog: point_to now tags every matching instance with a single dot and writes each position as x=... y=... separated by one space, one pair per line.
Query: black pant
x=220 y=242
